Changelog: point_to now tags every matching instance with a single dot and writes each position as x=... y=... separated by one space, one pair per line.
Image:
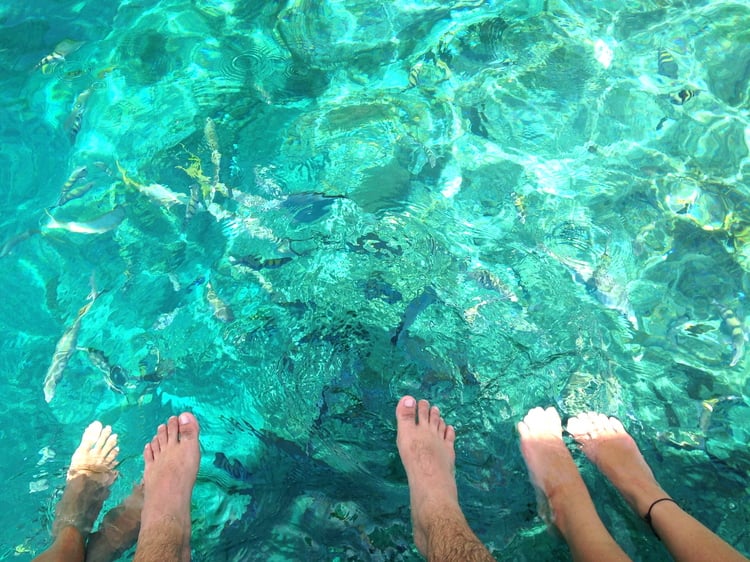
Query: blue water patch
x=282 y=216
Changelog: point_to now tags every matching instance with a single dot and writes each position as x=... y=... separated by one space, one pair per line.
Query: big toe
x=406 y=411
x=188 y=427
x=91 y=434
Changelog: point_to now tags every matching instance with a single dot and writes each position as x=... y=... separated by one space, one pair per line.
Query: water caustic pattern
x=287 y=214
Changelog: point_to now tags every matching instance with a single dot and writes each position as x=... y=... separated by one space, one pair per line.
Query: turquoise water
x=295 y=212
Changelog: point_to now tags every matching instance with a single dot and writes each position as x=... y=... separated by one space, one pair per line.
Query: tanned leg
x=425 y=444
x=90 y=475
x=118 y=530
x=606 y=443
x=172 y=460
x=558 y=483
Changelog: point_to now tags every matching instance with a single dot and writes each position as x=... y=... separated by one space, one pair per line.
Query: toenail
x=409 y=402
x=184 y=419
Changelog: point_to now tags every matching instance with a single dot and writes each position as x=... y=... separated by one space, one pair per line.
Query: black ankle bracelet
x=647 y=517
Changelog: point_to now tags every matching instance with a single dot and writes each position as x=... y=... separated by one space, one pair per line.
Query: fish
x=666 y=65
x=309 y=206
x=209 y=133
x=489 y=280
x=116 y=379
x=49 y=62
x=103 y=223
x=375 y=288
x=114 y=375
x=259 y=263
x=7 y=248
x=75 y=193
x=221 y=309
x=413 y=310
x=64 y=350
x=159 y=193
x=191 y=204
x=234 y=468
x=683 y=96
x=162 y=195
x=733 y=325
x=414 y=72
x=431 y=157
x=153 y=368
x=104 y=71
x=212 y=139
x=73 y=178
x=661 y=123
x=58 y=54
x=519 y=202
x=372 y=243
x=75 y=119
x=195 y=282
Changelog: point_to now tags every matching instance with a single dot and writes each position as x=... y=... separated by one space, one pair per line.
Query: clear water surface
x=298 y=211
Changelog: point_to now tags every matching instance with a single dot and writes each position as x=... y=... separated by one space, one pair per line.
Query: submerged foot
x=425 y=444
x=172 y=459
x=606 y=443
x=89 y=477
x=551 y=467
x=118 y=531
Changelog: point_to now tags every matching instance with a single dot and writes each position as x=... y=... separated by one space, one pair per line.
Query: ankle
x=566 y=503
x=641 y=498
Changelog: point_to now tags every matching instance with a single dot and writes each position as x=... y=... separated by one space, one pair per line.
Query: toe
x=523 y=429
x=104 y=435
x=172 y=432
x=189 y=427
x=577 y=425
x=435 y=417
x=602 y=420
x=616 y=425
x=552 y=416
x=110 y=457
x=91 y=434
x=156 y=445
x=532 y=417
x=148 y=453
x=450 y=434
x=406 y=410
x=423 y=412
x=161 y=437
x=109 y=444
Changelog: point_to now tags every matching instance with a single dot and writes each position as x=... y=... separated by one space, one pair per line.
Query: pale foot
x=563 y=497
x=606 y=443
x=172 y=459
x=552 y=470
x=89 y=477
x=118 y=531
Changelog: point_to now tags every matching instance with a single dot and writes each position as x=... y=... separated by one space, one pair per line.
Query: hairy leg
x=564 y=498
x=90 y=475
x=606 y=443
x=172 y=460
x=425 y=444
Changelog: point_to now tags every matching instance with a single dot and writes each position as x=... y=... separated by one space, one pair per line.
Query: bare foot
x=551 y=467
x=89 y=477
x=118 y=531
x=172 y=460
x=425 y=444
x=563 y=496
x=606 y=443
